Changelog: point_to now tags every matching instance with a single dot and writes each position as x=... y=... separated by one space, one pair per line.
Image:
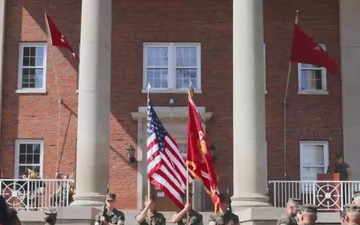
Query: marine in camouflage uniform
x=292 y=207
x=342 y=217
x=307 y=215
x=112 y=215
x=224 y=217
x=155 y=218
x=356 y=198
x=195 y=218
x=352 y=214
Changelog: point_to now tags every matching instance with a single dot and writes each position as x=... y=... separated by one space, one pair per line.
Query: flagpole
x=190 y=95
x=148 y=181
x=58 y=95
x=285 y=107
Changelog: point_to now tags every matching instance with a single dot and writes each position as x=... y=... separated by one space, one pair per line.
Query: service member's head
x=110 y=200
x=293 y=205
x=339 y=158
x=342 y=217
x=352 y=214
x=307 y=214
x=356 y=198
x=187 y=199
x=224 y=200
x=152 y=200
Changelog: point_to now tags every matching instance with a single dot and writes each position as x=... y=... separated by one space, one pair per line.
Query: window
x=172 y=66
x=28 y=155
x=314 y=159
x=312 y=79
x=32 y=68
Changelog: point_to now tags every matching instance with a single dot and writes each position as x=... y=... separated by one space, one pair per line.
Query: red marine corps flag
x=56 y=37
x=198 y=157
x=306 y=50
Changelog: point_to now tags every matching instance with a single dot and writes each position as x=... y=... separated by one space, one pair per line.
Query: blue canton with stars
x=155 y=126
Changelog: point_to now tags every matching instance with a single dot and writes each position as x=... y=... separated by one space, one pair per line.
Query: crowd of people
x=149 y=215
x=8 y=216
x=298 y=214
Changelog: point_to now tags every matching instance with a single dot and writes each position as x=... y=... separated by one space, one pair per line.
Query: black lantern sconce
x=131 y=153
x=212 y=152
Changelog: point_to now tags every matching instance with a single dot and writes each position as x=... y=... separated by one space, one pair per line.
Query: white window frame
x=171 y=66
x=326 y=154
x=20 y=66
x=17 y=152
x=324 y=90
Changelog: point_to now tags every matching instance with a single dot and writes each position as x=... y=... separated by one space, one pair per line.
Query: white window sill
x=30 y=91
x=198 y=91
x=320 y=92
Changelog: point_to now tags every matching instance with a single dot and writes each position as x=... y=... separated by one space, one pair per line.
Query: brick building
x=148 y=41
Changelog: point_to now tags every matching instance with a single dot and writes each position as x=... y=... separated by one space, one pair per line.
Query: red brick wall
x=134 y=22
x=310 y=117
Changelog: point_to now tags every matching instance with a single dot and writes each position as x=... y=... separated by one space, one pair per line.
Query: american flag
x=166 y=167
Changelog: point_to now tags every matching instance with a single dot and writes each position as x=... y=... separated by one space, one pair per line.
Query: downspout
x=2 y=37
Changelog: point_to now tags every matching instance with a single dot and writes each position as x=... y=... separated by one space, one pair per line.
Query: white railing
x=327 y=195
x=34 y=194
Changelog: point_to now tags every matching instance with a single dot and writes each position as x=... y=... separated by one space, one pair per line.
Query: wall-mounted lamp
x=212 y=152
x=131 y=153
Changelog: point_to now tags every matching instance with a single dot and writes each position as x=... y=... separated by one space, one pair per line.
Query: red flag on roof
x=306 y=50
x=56 y=37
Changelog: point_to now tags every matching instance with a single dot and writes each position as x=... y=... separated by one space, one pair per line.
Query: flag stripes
x=166 y=168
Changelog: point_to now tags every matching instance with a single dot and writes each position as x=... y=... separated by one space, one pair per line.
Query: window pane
x=29 y=148
x=312 y=155
x=22 y=170
x=22 y=148
x=40 y=51
x=157 y=56
x=185 y=76
x=157 y=78
x=26 y=51
x=305 y=66
x=186 y=56
x=32 y=51
x=311 y=79
x=29 y=159
x=32 y=61
x=22 y=159
x=311 y=173
x=36 y=159
x=39 y=61
x=32 y=78
x=36 y=148
x=26 y=61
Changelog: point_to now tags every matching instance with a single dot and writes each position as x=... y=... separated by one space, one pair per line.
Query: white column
x=92 y=168
x=249 y=138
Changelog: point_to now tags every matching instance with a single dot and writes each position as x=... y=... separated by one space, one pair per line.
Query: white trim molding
x=170 y=112
x=325 y=145
x=18 y=142
x=20 y=88
x=171 y=66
